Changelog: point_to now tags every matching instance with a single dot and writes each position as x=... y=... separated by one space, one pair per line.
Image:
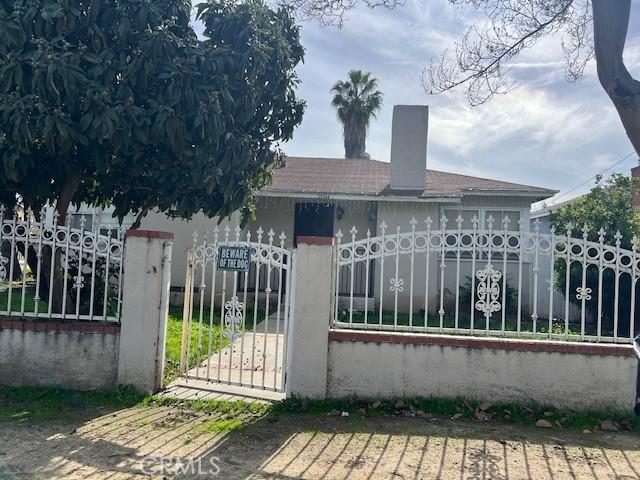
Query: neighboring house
x=542 y=215
x=95 y=217
x=319 y=196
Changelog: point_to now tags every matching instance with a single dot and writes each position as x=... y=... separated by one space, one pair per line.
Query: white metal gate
x=235 y=323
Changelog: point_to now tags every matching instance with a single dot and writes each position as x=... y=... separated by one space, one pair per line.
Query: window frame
x=482 y=215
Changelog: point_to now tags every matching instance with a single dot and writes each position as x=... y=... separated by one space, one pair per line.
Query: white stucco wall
x=279 y=213
x=395 y=370
x=73 y=359
x=182 y=237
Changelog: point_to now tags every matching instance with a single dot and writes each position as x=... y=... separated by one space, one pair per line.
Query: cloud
x=546 y=132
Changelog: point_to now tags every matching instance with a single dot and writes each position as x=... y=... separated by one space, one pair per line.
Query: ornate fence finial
x=216 y=232
x=428 y=222
x=443 y=222
x=259 y=233
x=227 y=231
x=353 y=232
x=585 y=231
x=282 y=238
x=237 y=233
x=490 y=221
x=271 y=235
x=601 y=234
x=569 y=227
x=2 y=210
x=459 y=221
x=195 y=238
x=475 y=222
x=505 y=222
x=618 y=237
x=383 y=227
x=339 y=235
x=413 y=222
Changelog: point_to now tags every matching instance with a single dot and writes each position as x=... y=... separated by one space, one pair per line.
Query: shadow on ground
x=174 y=442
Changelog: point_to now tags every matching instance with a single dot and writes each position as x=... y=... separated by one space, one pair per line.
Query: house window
x=482 y=214
x=498 y=217
x=467 y=218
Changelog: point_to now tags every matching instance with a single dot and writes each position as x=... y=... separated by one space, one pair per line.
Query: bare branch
x=480 y=59
x=332 y=12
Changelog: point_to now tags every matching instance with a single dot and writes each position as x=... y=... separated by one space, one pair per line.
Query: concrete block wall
x=71 y=354
x=395 y=365
x=328 y=363
x=93 y=355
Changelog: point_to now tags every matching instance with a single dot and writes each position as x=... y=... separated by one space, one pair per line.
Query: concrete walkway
x=249 y=368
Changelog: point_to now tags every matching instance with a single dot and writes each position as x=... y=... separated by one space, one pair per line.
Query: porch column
x=312 y=300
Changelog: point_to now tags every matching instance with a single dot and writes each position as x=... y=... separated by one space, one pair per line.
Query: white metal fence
x=235 y=323
x=495 y=281
x=57 y=271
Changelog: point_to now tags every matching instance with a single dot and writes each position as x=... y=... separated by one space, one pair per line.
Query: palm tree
x=357 y=100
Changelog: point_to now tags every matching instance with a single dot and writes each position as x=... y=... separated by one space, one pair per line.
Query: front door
x=313 y=220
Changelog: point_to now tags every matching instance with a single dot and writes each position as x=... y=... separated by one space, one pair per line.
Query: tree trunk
x=5 y=251
x=62 y=206
x=610 y=24
x=354 y=139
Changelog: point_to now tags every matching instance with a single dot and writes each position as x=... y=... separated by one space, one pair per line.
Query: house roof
x=363 y=177
x=546 y=210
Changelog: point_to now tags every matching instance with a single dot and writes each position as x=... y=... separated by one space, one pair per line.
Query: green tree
x=119 y=102
x=608 y=207
x=357 y=101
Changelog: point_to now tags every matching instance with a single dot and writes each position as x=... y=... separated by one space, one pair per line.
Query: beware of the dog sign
x=234 y=259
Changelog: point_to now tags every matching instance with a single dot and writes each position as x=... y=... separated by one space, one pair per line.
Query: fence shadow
x=135 y=441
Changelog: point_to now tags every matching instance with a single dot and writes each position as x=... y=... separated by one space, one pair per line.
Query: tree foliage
x=356 y=100
x=119 y=102
x=605 y=209
x=606 y=206
x=588 y=29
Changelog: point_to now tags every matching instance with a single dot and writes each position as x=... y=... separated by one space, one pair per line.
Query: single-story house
x=313 y=196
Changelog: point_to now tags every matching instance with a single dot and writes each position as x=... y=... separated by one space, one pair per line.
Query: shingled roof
x=307 y=175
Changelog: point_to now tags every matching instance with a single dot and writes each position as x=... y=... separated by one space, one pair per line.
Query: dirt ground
x=169 y=442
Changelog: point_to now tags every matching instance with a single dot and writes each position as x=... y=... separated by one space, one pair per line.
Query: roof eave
x=542 y=193
x=454 y=198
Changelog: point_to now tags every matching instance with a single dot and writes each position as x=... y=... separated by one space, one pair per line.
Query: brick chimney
x=635 y=200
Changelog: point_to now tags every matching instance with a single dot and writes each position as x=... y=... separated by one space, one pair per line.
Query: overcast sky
x=547 y=132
